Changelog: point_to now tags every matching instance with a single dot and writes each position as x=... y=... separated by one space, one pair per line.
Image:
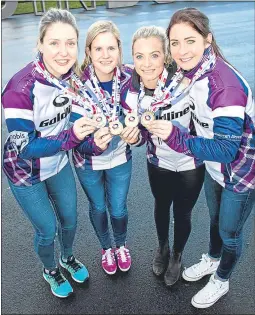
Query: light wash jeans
x=107 y=189
x=50 y=206
x=228 y=213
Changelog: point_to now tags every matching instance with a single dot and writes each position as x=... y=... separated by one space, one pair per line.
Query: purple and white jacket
x=158 y=152
x=118 y=152
x=223 y=112
x=37 y=118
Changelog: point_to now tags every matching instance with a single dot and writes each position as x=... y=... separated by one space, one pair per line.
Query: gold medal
x=131 y=120
x=116 y=127
x=100 y=119
x=146 y=118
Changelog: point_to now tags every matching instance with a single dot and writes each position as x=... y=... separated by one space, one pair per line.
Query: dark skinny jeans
x=180 y=188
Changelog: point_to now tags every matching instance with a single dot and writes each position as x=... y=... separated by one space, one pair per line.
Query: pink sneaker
x=108 y=261
x=123 y=258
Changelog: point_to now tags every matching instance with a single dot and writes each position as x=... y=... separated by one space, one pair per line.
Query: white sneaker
x=211 y=293
x=205 y=267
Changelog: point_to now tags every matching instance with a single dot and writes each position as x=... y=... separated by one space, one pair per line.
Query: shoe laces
x=58 y=277
x=123 y=252
x=205 y=260
x=109 y=257
x=73 y=263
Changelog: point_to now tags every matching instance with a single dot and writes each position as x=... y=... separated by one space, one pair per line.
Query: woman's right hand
x=102 y=137
x=83 y=127
x=130 y=135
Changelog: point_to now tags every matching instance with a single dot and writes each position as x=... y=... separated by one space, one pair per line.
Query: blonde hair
x=157 y=32
x=98 y=28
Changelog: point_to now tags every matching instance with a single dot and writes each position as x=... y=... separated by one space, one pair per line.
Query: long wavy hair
x=199 y=22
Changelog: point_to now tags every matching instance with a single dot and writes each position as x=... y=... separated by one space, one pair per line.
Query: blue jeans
x=107 y=189
x=50 y=206
x=228 y=213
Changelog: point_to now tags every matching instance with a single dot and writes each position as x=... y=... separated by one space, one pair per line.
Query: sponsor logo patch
x=19 y=139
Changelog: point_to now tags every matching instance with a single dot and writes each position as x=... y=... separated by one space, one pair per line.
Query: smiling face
x=59 y=48
x=105 y=55
x=187 y=45
x=149 y=59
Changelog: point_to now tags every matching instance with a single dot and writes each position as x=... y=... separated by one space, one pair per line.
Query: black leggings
x=181 y=188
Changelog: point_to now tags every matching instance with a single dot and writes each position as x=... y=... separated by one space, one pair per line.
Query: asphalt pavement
x=138 y=291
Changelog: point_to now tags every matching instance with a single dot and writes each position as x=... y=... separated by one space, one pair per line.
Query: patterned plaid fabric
x=38 y=129
x=223 y=112
x=17 y=170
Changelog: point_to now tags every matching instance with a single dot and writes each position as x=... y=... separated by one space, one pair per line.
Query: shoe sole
x=109 y=272
x=124 y=270
x=158 y=274
x=187 y=278
x=60 y=262
x=170 y=284
x=208 y=304
x=54 y=293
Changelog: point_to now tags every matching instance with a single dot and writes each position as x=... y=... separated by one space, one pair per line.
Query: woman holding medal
x=223 y=112
x=105 y=179
x=174 y=177
x=37 y=103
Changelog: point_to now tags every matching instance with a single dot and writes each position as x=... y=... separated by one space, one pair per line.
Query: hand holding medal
x=160 y=128
x=83 y=127
x=102 y=137
x=130 y=135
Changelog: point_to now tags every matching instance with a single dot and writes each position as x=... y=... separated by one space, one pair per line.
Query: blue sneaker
x=77 y=270
x=60 y=287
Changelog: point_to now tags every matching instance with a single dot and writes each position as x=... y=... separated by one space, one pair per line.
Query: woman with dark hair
x=222 y=108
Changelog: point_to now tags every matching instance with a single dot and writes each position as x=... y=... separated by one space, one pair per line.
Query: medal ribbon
x=110 y=109
x=65 y=88
x=162 y=95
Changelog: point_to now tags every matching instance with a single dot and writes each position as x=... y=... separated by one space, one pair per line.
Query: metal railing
x=10 y=6
x=63 y=5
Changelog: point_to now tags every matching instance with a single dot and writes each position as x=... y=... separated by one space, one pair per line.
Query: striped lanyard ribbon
x=65 y=88
x=163 y=96
x=111 y=109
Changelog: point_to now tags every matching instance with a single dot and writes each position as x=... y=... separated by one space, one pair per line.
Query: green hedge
x=28 y=7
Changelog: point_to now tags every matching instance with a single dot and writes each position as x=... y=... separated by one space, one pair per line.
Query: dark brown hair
x=198 y=21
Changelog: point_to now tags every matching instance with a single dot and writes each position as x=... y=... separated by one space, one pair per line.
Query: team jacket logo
x=19 y=140
x=49 y=122
x=174 y=115
x=60 y=101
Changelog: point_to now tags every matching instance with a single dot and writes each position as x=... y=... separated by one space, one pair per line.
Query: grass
x=28 y=7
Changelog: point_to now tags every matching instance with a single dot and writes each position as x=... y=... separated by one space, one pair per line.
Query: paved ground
x=137 y=292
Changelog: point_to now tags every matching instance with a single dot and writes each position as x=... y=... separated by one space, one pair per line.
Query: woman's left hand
x=160 y=128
